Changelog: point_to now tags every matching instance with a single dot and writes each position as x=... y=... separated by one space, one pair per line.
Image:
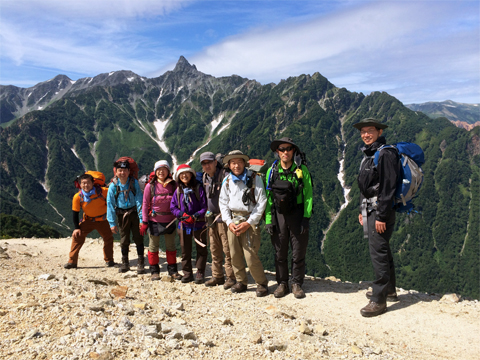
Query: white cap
x=161 y=163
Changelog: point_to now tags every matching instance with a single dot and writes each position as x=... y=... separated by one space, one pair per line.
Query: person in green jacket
x=287 y=215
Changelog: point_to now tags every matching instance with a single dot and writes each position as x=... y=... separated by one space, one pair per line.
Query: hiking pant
x=126 y=225
x=87 y=226
x=202 y=252
x=154 y=242
x=218 y=247
x=241 y=247
x=382 y=259
x=287 y=234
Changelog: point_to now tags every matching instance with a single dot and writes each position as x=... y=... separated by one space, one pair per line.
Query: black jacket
x=381 y=180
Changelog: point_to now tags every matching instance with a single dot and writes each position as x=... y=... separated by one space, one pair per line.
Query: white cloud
x=376 y=46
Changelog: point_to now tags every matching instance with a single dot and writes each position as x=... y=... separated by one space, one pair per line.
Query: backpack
x=410 y=179
x=98 y=179
x=133 y=166
x=283 y=191
x=133 y=175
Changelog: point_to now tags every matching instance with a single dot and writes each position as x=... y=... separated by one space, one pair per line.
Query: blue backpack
x=411 y=175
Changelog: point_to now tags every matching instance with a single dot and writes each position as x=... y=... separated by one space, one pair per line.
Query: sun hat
x=369 y=122
x=285 y=140
x=236 y=154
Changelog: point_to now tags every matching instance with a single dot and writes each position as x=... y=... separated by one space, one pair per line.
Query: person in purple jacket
x=189 y=205
x=158 y=218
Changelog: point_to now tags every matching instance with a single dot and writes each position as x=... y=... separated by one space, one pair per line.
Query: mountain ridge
x=178 y=113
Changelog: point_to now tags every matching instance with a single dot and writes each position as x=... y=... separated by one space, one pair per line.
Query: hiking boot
x=199 y=278
x=373 y=309
x=155 y=276
x=215 y=281
x=238 y=288
x=173 y=272
x=70 y=266
x=125 y=266
x=229 y=283
x=110 y=263
x=297 y=291
x=187 y=279
x=390 y=297
x=281 y=291
x=262 y=290
x=141 y=264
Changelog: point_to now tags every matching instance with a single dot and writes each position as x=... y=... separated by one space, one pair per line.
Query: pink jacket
x=159 y=204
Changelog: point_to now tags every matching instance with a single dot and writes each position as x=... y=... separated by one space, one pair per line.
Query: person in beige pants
x=242 y=202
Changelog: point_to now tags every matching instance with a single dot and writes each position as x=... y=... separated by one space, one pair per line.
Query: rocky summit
x=94 y=312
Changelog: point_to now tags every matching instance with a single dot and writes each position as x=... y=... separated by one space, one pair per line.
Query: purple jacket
x=194 y=206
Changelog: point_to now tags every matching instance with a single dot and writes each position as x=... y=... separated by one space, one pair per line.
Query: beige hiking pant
x=218 y=247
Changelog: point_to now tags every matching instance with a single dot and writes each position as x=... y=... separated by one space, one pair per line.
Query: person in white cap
x=242 y=202
x=158 y=219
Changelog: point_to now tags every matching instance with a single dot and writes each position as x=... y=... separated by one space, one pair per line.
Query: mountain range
x=466 y=116
x=59 y=128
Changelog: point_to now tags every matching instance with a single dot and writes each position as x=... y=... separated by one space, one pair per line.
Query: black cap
x=285 y=140
x=122 y=165
x=369 y=122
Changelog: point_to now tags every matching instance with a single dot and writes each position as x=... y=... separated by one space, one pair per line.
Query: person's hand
x=360 y=219
x=196 y=216
x=189 y=219
x=232 y=227
x=143 y=229
x=270 y=229
x=242 y=227
x=76 y=233
x=305 y=225
x=381 y=227
x=114 y=229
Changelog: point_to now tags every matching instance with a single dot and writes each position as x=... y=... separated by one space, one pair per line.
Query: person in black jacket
x=377 y=216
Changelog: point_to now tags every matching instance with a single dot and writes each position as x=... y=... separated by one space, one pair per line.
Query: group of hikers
x=227 y=204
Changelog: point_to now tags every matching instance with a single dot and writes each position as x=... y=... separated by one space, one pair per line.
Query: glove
x=304 y=226
x=143 y=229
x=270 y=229
x=196 y=216
x=189 y=219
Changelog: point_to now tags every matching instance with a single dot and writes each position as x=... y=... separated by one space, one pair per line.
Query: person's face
x=370 y=134
x=162 y=173
x=86 y=185
x=123 y=173
x=209 y=166
x=185 y=177
x=285 y=152
x=237 y=166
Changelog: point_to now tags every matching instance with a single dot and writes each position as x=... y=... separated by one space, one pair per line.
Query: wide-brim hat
x=369 y=122
x=236 y=154
x=285 y=140
x=184 y=168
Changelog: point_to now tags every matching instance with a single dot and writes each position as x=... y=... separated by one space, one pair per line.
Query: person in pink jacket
x=159 y=220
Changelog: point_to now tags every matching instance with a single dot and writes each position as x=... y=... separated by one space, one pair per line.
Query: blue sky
x=417 y=51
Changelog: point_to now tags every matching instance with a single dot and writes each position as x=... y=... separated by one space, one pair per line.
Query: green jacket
x=306 y=197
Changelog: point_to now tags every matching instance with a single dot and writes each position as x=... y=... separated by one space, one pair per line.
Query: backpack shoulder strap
x=197 y=191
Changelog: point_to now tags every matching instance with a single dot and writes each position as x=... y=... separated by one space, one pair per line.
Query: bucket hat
x=369 y=122
x=236 y=154
x=285 y=140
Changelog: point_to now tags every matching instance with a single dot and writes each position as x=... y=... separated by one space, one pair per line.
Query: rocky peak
x=184 y=66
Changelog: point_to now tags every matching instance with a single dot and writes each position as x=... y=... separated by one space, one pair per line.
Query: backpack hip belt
x=94 y=218
x=368 y=205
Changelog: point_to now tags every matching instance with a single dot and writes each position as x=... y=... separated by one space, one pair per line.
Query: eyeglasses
x=283 y=149
x=206 y=162
x=369 y=131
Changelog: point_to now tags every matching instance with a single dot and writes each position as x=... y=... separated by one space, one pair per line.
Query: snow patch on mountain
x=215 y=123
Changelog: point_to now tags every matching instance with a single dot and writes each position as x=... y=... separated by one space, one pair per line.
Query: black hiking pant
x=127 y=224
x=287 y=234
x=382 y=259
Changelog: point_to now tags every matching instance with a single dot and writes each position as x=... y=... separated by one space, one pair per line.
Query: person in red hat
x=189 y=205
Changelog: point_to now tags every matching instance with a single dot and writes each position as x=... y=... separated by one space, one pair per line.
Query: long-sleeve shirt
x=231 y=199
x=97 y=206
x=305 y=197
x=380 y=181
x=122 y=201
x=195 y=206
x=212 y=189
x=159 y=203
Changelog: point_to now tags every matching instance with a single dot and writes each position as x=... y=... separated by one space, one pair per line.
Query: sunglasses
x=283 y=149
